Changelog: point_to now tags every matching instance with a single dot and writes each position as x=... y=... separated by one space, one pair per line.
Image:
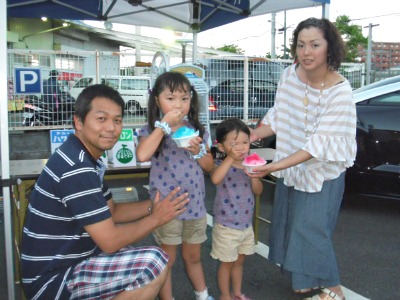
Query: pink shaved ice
x=253 y=160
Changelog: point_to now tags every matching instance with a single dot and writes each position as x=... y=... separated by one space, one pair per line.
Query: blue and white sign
x=27 y=81
x=58 y=137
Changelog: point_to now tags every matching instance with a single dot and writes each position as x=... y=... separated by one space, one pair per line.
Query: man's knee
x=149 y=291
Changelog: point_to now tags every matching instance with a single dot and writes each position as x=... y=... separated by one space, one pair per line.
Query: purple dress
x=174 y=167
x=234 y=200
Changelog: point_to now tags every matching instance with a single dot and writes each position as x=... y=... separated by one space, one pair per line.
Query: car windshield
x=378 y=84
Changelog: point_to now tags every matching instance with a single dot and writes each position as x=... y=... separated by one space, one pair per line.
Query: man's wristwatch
x=150 y=208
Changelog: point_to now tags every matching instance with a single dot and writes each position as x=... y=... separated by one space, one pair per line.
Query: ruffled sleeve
x=332 y=148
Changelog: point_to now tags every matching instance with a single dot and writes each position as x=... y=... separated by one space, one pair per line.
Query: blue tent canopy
x=184 y=16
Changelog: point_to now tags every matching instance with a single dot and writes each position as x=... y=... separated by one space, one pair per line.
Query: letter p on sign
x=27 y=81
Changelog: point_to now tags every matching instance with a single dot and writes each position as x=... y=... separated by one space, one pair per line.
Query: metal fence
x=245 y=87
x=242 y=87
x=95 y=66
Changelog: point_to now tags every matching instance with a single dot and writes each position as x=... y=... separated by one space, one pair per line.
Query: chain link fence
x=241 y=87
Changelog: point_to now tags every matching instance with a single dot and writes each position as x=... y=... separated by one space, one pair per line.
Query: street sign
x=58 y=137
x=27 y=81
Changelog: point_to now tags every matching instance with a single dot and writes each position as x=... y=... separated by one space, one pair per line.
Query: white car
x=133 y=89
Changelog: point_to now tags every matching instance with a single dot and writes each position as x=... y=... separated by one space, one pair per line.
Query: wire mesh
x=241 y=87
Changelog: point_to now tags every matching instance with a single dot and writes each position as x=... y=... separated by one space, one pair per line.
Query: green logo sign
x=126 y=135
x=124 y=155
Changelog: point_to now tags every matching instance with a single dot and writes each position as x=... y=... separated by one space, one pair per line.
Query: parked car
x=376 y=170
x=227 y=98
x=133 y=89
x=379 y=83
x=226 y=78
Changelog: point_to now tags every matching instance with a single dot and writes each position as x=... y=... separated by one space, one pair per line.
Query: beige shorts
x=228 y=243
x=177 y=231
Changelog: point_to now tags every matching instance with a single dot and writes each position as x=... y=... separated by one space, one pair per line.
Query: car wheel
x=132 y=108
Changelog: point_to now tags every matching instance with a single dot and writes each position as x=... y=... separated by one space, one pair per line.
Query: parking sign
x=27 y=81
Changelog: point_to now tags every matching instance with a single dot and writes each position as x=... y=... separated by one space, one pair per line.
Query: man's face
x=102 y=126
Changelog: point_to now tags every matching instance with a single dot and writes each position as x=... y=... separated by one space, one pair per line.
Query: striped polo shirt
x=330 y=134
x=68 y=195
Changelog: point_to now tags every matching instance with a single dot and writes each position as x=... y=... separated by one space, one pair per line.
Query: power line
x=392 y=14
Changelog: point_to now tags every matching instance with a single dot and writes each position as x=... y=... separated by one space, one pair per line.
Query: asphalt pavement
x=367 y=242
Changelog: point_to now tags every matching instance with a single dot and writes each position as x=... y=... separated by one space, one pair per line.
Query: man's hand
x=170 y=207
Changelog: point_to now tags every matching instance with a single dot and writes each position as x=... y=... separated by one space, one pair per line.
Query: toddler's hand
x=236 y=154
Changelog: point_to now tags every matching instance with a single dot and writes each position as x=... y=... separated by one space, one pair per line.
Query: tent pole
x=325 y=10
x=194 y=50
x=5 y=159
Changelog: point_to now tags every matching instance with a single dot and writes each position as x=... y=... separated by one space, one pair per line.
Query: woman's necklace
x=306 y=101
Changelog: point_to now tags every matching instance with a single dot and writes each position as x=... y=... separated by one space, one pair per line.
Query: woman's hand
x=261 y=171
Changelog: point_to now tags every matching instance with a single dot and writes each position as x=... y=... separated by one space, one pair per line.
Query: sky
x=253 y=35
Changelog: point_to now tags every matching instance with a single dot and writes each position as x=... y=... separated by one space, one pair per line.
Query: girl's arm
x=206 y=162
x=148 y=145
x=220 y=172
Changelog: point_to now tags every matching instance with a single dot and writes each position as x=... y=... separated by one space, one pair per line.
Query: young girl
x=233 y=235
x=174 y=103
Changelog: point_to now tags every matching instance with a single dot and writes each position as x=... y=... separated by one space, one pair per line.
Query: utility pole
x=284 y=36
x=369 y=52
x=273 y=34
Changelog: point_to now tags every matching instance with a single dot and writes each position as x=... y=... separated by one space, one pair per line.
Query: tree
x=352 y=36
x=277 y=56
x=231 y=48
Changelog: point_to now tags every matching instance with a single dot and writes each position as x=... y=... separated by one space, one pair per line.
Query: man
x=52 y=91
x=76 y=239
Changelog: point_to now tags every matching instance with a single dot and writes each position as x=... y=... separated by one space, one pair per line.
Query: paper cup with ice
x=253 y=160
x=183 y=135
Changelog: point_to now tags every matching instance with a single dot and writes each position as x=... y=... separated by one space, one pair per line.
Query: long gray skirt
x=301 y=233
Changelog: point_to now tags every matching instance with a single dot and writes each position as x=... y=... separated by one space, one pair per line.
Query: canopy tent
x=185 y=16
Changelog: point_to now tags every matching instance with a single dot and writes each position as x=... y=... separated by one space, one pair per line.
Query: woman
x=314 y=120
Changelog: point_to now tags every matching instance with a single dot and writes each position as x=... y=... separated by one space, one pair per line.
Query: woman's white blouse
x=330 y=136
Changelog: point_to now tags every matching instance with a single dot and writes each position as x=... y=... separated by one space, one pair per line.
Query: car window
x=263 y=85
x=273 y=71
x=384 y=100
x=110 y=82
x=83 y=82
x=135 y=84
x=237 y=86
